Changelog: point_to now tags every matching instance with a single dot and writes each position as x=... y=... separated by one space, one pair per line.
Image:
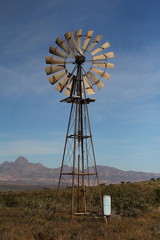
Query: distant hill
x=23 y=172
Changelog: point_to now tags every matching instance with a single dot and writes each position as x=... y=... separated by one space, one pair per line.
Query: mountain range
x=23 y=172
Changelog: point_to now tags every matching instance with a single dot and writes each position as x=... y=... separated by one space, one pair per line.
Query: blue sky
x=125 y=117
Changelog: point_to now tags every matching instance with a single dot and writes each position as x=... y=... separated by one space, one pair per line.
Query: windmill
x=77 y=67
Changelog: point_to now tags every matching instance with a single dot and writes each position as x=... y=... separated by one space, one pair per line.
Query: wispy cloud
x=126 y=153
x=18 y=82
x=32 y=147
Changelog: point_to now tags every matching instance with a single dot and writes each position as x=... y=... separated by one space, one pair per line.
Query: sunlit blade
x=78 y=35
x=104 y=64
x=76 y=49
x=60 y=86
x=53 y=69
x=93 y=44
x=95 y=80
x=68 y=89
x=57 y=77
x=87 y=39
x=88 y=86
x=101 y=73
x=69 y=39
x=102 y=47
x=103 y=56
x=57 y=52
x=82 y=88
x=61 y=43
x=52 y=60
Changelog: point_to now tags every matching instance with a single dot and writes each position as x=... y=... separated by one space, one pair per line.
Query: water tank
x=107 y=205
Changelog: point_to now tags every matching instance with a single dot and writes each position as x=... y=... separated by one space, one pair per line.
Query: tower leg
x=78 y=169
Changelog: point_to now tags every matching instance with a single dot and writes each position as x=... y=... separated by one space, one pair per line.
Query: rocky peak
x=5 y=165
x=20 y=163
x=21 y=159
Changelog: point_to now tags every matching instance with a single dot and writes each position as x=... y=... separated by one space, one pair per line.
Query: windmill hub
x=80 y=59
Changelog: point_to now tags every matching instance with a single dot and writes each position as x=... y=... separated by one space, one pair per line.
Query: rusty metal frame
x=79 y=148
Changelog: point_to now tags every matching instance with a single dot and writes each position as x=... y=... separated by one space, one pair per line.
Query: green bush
x=9 y=200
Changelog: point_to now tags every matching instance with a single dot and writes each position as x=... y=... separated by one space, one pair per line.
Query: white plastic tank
x=107 y=205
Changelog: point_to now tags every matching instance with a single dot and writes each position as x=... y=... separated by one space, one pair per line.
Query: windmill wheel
x=74 y=51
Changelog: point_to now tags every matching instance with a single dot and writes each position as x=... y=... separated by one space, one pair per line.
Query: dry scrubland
x=29 y=215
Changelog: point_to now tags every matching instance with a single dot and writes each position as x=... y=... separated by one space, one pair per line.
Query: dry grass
x=16 y=226
x=29 y=216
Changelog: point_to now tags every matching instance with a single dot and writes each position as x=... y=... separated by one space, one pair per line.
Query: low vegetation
x=29 y=215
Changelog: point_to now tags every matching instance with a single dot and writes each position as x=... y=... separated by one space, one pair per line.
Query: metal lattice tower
x=78 y=169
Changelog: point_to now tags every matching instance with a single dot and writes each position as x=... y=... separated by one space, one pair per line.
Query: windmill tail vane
x=77 y=66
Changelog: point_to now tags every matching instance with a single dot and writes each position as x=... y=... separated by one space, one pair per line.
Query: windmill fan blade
x=82 y=88
x=88 y=86
x=61 y=43
x=68 y=89
x=102 y=47
x=53 y=69
x=52 y=60
x=103 y=56
x=78 y=35
x=70 y=41
x=87 y=39
x=78 y=46
x=93 y=44
x=57 y=77
x=96 y=81
x=57 y=52
x=61 y=85
x=104 y=64
x=101 y=73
